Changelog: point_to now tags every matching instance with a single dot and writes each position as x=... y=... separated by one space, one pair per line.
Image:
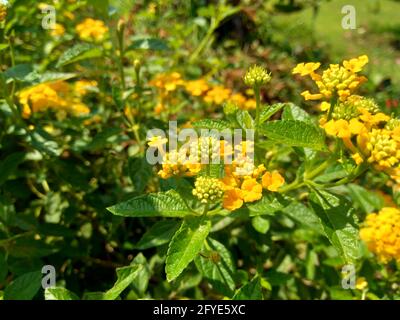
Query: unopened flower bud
x=257 y=76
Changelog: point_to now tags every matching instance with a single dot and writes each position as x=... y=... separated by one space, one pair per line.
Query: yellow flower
x=58 y=30
x=357 y=158
x=197 y=87
x=252 y=190
x=250 y=104
x=272 y=181
x=168 y=82
x=305 y=69
x=233 y=199
x=217 y=95
x=325 y=106
x=92 y=30
x=340 y=81
x=58 y=96
x=310 y=96
x=356 y=64
x=381 y=233
x=343 y=128
x=239 y=100
x=361 y=284
x=82 y=87
x=157 y=142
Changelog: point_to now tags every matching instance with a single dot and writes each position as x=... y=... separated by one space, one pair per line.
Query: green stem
x=121 y=47
x=204 y=42
x=332 y=107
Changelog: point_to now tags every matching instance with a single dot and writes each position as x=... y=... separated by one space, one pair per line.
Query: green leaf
x=79 y=52
x=164 y=204
x=293 y=112
x=268 y=205
x=140 y=172
x=18 y=72
x=160 y=233
x=339 y=222
x=185 y=245
x=268 y=111
x=148 y=44
x=216 y=265
x=260 y=224
x=24 y=287
x=244 y=119
x=125 y=276
x=59 y=293
x=141 y=282
x=3 y=46
x=294 y=133
x=9 y=165
x=101 y=6
x=276 y=278
x=103 y=138
x=368 y=201
x=304 y=216
x=212 y=124
x=250 y=291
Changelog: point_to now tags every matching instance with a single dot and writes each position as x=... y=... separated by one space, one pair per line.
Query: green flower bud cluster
x=367 y=104
x=230 y=108
x=392 y=124
x=351 y=108
x=208 y=190
x=345 y=111
x=257 y=76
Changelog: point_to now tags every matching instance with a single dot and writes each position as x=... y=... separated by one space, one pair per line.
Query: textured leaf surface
x=250 y=291
x=59 y=293
x=294 y=133
x=166 y=204
x=338 y=220
x=79 y=52
x=160 y=233
x=185 y=245
x=24 y=287
x=217 y=267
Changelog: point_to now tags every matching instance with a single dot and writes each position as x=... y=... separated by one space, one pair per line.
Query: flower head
x=257 y=76
x=208 y=190
x=381 y=232
x=92 y=30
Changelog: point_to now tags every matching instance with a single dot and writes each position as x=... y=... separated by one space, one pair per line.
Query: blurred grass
x=377 y=33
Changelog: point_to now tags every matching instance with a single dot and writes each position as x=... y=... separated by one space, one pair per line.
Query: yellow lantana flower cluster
x=381 y=233
x=368 y=134
x=92 y=30
x=60 y=96
x=338 y=81
x=243 y=182
x=58 y=30
x=168 y=83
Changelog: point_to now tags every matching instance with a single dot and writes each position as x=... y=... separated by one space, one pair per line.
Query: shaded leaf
x=160 y=233
x=339 y=222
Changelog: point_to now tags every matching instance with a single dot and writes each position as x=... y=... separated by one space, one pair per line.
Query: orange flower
x=233 y=199
x=252 y=190
x=272 y=181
